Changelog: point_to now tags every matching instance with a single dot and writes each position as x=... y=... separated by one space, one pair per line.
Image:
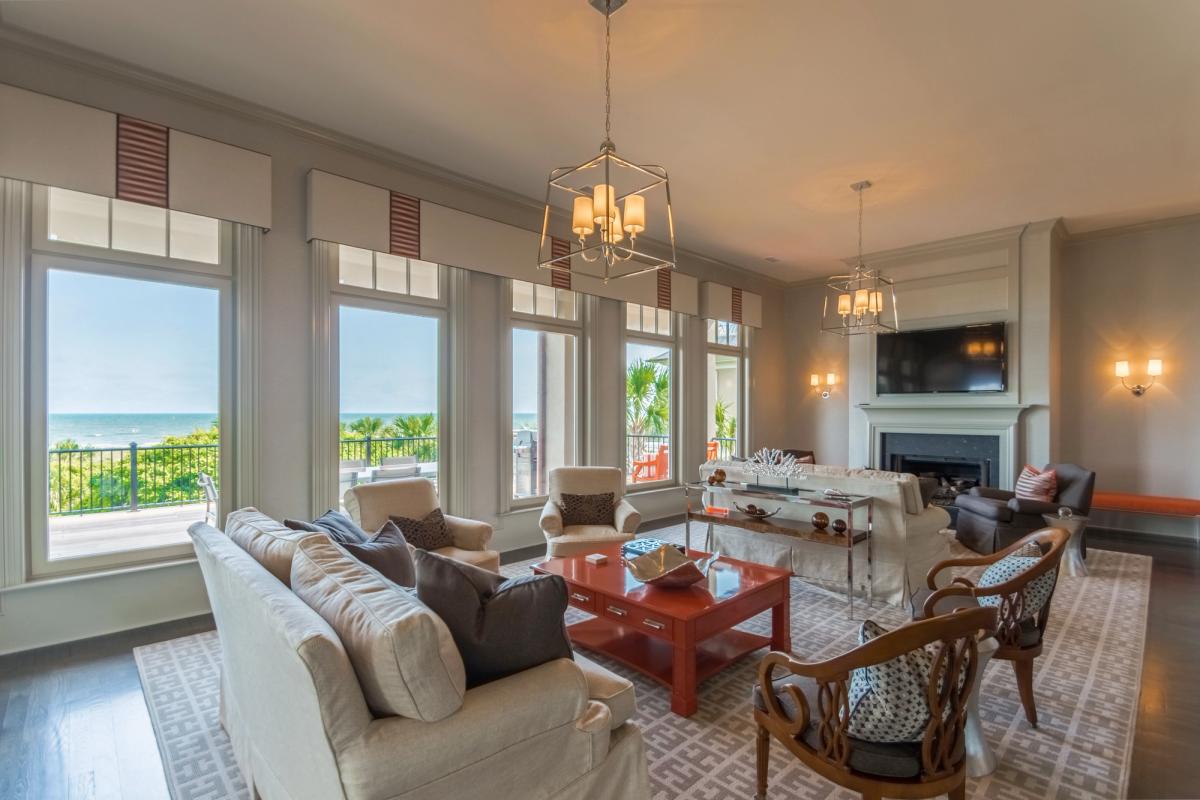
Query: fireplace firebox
x=957 y=462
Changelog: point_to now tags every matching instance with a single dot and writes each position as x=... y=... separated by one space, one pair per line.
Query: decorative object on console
x=820 y=520
x=814 y=380
x=839 y=526
x=717 y=478
x=668 y=568
x=863 y=301
x=750 y=509
x=611 y=200
x=1154 y=368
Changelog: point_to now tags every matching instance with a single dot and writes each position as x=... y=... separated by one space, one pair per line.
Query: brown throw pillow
x=387 y=553
x=588 y=509
x=500 y=626
x=428 y=533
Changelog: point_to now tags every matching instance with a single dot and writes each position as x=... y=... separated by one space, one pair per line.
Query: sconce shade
x=1154 y=367
x=1121 y=369
x=831 y=378
x=814 y=380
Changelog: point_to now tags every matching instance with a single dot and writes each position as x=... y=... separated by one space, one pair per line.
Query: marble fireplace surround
x=967 y=420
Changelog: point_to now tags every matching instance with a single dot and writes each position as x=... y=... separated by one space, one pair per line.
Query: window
x=649 y=400
x=726 y=333
x=131 y=372
x=725 y=379
x=543 y=385
x=76 y=218
x=387 y=273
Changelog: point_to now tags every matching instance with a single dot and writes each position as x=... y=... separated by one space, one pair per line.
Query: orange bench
x=1146 y=504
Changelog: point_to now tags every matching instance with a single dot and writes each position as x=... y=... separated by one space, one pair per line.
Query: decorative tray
x=668 y=568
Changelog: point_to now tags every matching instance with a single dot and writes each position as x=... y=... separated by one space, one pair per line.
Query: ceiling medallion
x=615 y=204
x=865 y=300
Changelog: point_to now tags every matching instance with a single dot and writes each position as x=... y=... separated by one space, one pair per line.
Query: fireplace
x=957 y=462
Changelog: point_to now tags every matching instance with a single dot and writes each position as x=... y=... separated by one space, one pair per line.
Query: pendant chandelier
x=615 y=204
x=865 y=300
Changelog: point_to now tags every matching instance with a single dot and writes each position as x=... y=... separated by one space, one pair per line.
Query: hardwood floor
x=73 y=723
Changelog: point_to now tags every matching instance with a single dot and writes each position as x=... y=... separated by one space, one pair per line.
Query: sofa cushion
x=428 y=533
x=270 y=543
x=387 y=553
x=609 y=688
x=402 y=652
x=501 y=626
x=333 y=522
x=1036 y=484
x=588 y=509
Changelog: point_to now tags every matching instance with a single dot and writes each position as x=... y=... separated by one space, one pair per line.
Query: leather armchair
x=992 y=519
x=570 y=540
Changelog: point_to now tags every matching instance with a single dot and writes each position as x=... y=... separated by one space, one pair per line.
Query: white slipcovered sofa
x=906 y=532
x=301 y=728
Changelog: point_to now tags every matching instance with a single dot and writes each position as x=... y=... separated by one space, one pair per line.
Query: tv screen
x=967 y=359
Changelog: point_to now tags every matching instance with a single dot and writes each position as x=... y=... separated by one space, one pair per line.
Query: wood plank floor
x=73 y=723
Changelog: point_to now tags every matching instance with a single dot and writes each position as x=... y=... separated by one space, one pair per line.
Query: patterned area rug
x=1086 y=681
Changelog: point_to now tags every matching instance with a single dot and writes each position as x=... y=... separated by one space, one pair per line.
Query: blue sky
x=389 y=362
x=118 y=345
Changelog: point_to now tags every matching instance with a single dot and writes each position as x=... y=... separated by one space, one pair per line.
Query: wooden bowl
x=758 y=513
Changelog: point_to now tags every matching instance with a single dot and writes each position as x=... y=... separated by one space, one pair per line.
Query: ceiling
x=967 y=116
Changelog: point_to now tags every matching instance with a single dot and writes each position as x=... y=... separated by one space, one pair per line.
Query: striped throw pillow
x=1033 y=484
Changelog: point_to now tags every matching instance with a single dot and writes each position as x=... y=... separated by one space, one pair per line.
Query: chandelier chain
x=608 y=74
x=860 y=218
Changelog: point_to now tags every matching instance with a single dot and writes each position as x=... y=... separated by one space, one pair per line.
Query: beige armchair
x=370 y=505
x=573 y=540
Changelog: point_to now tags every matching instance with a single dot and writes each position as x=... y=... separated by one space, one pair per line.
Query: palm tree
x=422 y=428
x=647 y=398
x=367 y=427
x=725 y=425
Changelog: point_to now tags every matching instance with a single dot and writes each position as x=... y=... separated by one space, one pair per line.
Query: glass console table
x=798 y=529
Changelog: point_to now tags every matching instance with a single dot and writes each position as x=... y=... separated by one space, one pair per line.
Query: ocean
x=118 y=430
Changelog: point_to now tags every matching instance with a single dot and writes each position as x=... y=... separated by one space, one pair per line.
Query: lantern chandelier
x=864 y=301
x=613 y=203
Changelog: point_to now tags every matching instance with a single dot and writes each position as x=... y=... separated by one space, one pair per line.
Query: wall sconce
x=814 y=381
x=1154 y=368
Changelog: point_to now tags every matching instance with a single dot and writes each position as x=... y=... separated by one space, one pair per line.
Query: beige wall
x=820 y=425
x=1131 y=295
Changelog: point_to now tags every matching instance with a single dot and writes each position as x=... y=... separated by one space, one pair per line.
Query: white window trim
x=14 y=252
x=674 y=341
x=742 y=353
x=509 y=320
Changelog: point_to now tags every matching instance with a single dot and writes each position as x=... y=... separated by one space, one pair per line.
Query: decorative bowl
x=668 y=568
x=755 y=511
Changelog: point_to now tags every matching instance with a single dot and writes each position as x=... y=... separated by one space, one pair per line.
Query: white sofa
x=906 y=534
x=301 y=728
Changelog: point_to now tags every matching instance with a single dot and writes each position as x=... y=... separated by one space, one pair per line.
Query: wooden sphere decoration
x=839 y=526
x=820 y=520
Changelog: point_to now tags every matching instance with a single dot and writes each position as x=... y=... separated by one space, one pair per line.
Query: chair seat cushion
x=609 y=688
x=985 y=507
x=885 y=760
x=577 y=539
x=484 y=559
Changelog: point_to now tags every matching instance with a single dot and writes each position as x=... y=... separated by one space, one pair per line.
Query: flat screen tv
x=971 y=358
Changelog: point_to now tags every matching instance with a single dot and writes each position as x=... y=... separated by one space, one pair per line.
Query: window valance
x=730 y=304
x=55 y=142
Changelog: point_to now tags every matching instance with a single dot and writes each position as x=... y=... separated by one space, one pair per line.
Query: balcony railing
x=371 y=451
x=129 y=478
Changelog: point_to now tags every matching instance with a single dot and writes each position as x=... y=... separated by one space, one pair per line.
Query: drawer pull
x=653 y=623
x=583 y=598
x=620 y=612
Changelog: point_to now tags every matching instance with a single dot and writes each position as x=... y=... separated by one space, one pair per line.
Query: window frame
x=741 y=352
x=511 y=320
x=674 y=342
x=51 y=254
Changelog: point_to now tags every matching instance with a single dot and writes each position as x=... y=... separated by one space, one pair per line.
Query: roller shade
x=55 y=142
x=730 y=304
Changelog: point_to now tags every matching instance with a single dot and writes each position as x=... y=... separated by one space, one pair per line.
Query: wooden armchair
x=1019 y=634
x=809 y=712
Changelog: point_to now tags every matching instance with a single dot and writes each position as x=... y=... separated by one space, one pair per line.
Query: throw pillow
x=387 y=553
x=887 y=701
x=500 y=626
x=1037 y=591
x=427 y=533
x=333 y=522
x=588 y=509
x=1033 y=484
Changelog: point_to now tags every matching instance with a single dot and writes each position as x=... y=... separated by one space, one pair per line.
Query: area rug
x=1086 y=681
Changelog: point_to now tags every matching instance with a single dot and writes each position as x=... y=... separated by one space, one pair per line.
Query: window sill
x=101 y=573
x=650 y=486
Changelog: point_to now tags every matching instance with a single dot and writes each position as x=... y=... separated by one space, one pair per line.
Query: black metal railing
x=643 y=445
x=370 y=451
x=129 y=478
x=726 y=448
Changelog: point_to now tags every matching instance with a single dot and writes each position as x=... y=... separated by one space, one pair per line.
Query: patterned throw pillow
x=1037 y=592
x=1033 y=484
x=587 y=509
x=429 y=533
x=887 y=701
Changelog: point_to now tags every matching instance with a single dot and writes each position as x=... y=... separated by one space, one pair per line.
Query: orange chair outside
x=711 y=451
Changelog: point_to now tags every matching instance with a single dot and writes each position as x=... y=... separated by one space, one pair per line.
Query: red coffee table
x=678 y=637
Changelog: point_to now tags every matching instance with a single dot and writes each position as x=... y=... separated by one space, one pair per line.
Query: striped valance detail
x=664 y=289
x=737 y=305
x=142 y=161
x=405 y=221
x=560 y=278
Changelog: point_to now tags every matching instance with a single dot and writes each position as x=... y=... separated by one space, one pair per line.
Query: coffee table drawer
x=583 y=599
x=644 y=621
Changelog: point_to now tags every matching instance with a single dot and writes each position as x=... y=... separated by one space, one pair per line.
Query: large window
x=128 y=363
x=725 y=382
x=649 y=351
x=544 y=385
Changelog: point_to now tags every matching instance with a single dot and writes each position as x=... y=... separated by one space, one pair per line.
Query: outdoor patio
x=94 y=534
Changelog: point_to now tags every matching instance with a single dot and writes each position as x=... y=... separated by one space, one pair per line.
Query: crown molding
x=1135 y=228
x=69 y=55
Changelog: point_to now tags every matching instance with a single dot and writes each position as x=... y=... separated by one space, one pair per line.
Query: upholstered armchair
x=808 y=711
x=569 y=540
x=991 y=519
x=371 y=504
x=1019 y=633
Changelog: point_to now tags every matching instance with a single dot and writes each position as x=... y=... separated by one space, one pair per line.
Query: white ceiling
x=968 y=116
